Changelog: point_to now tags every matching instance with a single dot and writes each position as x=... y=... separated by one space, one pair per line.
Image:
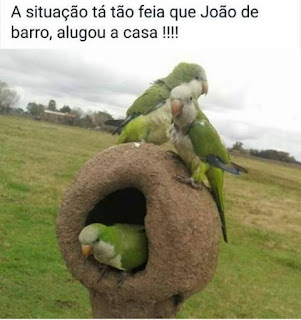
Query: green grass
x=259 y=271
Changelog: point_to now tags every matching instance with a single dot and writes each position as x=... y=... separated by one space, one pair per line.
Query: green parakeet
x=200 y=147
x=149 y=117
x=122 y=246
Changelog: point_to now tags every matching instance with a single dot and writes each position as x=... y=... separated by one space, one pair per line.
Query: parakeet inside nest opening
x=117 y=224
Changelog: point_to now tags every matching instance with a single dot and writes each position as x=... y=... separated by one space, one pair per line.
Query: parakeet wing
x=132 y=245
x=153 y=98
x=206 y=141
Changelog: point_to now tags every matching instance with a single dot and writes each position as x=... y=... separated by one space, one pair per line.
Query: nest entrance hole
x=121 y=206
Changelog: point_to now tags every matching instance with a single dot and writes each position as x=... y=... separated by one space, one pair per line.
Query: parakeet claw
x=189 y=181
x=104 y=270
x=173 y=154
x=121 y=278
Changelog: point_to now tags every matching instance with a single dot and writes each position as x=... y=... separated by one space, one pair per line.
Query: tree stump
x=134 y=183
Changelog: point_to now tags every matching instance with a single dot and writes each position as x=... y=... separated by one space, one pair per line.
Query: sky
x=254 y=96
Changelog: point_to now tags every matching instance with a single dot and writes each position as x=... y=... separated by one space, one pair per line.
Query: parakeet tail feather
x=216 y=179
x=119 y=123
x=216 y=162
x=221 y=214
x=239 y=168
x=114 y=122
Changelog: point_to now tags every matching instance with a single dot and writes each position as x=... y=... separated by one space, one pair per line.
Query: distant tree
x=100 y=117
x=86 y=122
x=8 y=98
x=18 y=111
x=35 y=109
x=78 y=113
x=51 y=105
x=65 y=109
x=237 y=146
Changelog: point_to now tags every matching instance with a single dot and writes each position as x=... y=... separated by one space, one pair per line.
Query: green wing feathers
x=215 y=177
x=150 y=100
x=206 y=141
x=132 y=245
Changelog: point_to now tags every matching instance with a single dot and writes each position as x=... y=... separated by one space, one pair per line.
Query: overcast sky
x=254 y=97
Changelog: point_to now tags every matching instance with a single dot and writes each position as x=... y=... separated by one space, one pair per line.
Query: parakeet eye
x=190 y=98
x=197 y=78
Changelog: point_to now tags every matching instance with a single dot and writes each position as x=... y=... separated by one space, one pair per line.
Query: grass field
x=259 y=271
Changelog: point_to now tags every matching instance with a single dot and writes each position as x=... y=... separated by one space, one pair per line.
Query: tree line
x=76 y=116
x=266 y=154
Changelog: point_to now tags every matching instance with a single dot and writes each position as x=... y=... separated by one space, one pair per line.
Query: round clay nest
x=134 y=183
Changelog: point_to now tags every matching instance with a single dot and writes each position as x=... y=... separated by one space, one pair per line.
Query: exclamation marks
x=170 y=32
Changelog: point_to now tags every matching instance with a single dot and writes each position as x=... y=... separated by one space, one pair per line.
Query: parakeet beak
x=176 y=108
x=205 y=87
x=87 y=250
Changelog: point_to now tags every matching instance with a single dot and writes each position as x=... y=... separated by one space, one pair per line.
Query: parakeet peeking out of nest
x=121 y=246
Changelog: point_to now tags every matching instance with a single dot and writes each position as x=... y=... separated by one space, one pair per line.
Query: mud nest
x=133 y=183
